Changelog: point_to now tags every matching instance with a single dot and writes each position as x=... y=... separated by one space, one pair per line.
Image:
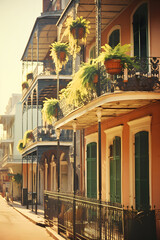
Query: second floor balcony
x=9 y=160
x=46 y=135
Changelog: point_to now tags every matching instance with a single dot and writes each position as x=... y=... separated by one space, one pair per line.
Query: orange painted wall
x=125 y=22
x=154 y=110
x=155 y=28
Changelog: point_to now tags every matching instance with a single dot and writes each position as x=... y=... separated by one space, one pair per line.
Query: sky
x=17 y=19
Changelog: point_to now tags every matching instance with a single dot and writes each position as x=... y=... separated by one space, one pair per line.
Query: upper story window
x=140 y=31
x=114 y=38
x=93 y=52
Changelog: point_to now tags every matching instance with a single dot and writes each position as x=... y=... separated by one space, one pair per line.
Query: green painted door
x=115 y=172
x=92 y=170
x=140 y=31
x=141 y=170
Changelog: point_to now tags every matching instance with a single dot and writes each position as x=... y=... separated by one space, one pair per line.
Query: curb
x=39 y=223
x=51 y=232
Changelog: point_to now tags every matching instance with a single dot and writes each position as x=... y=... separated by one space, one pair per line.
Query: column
x=99 y=114
x=46 y=174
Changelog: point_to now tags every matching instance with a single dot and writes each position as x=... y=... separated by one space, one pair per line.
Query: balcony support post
x=36 y=185
x=58 y=170
x=74 y=181
x=99 y=114
x=32 y=183
x=98 y=37
x=27 y=182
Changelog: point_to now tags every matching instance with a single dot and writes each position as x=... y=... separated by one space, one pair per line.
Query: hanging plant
x=90 y=74
x=25 y=85
x=18 y=178
x=29 y=76
x=50 y=110
x=20 y=146
x=28 y=136
x=115 y=59
x=60 y=54
x=79 y=28
x=76 y=30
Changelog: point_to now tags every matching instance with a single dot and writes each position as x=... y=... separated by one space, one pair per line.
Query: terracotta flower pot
x=30 y=136
x=62 y=56
x=23 y=86
x=113 y=66
x=81 y=33
x=95 y=78
x=78 y=33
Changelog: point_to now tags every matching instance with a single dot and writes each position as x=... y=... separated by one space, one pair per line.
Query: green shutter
x=92 y=170
x=141 y=170
x=115 y=172
x=140 y=31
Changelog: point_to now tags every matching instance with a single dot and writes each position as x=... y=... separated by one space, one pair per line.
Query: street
x=14 y=226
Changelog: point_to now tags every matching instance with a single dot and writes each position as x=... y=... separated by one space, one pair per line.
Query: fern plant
x=50 y=109
x=56 y=49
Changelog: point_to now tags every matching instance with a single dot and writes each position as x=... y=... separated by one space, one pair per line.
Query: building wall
x=150 y=110
x=124 y=22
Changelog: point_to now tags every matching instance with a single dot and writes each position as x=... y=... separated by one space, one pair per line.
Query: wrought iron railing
x=11 y=159
x=47 y=68
x=43 y=133
x=82 y=218
x=144 y=77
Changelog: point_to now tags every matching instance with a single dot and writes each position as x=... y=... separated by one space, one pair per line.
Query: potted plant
x=79 y=28
x=60 y=54
x=28 y=136
x=115 y=59
x=50 y=109
x=89 y=74
x=20 y=146
x=25 y=85
x=29 y=76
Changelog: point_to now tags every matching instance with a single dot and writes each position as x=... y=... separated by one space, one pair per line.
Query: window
x=140 y=31
x=140 y=160
x=115 y=171
x=114 y=164
x=92 y=170
x=114 y=38
x=93 y=52
x=141 y=170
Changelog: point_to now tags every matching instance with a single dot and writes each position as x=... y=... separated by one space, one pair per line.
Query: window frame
x=135 y=126
x=110 y=135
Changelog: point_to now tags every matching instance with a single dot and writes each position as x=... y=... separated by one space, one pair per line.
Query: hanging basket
x=30 y=135
x=78 y=33
x=62 y=56
x=95 y=78
x=113 y=66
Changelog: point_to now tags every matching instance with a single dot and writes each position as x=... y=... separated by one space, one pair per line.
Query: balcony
x=10 y=159
x=47 y=134
x=6 y=139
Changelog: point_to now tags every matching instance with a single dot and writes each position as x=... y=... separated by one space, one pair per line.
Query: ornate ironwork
x=116 y=222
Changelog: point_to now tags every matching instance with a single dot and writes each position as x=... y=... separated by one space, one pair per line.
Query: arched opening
x=140 y=31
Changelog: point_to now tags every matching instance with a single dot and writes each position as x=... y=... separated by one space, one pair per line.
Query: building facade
x=10 y=158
